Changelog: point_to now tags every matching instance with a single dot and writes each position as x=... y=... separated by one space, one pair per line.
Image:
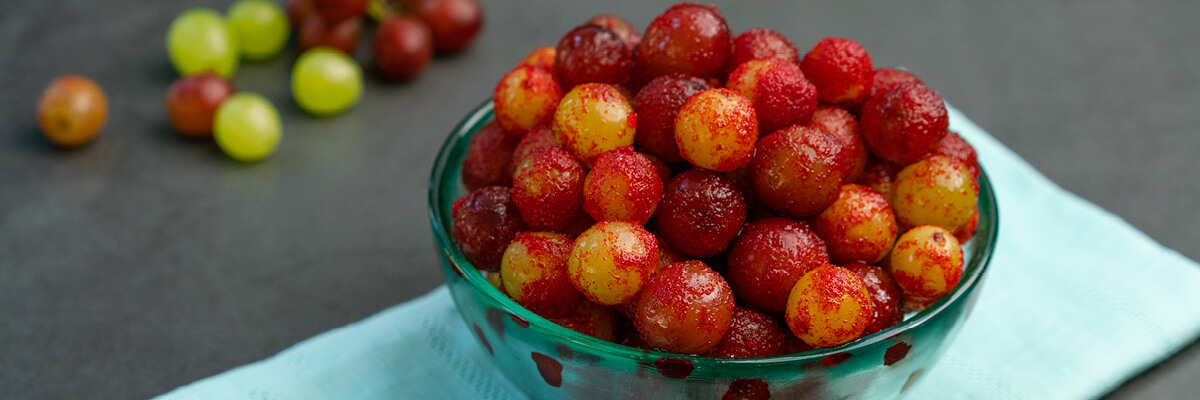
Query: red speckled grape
x=685 y=308
x=548 y=188
x=489 y=156
x=592 y=54
x=797 y=171
x=485 y=221
x=700 y=213
x=904 y=124
x=687 y=38
x=656 y=105
x=769 y=257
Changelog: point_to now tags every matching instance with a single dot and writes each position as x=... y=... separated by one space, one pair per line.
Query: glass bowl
x=547 y=361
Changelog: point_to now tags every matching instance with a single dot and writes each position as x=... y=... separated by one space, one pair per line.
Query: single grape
x=260 y=26
x=193 y=101
x=72 y=111
x=326 y=82
x=402 y=47
x=454 y=23
x=199 y=41
x=247 y=127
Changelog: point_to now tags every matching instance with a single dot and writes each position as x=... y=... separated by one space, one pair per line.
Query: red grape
x=454 y=22
x=340 y=10
x=402 y=47
x=192 y=101
x=318 y=31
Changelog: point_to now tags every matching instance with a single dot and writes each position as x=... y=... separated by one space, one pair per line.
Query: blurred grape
x=198 y=41
x=326 y=82
x=247 y=127
x=260 y=26
x=72 y=111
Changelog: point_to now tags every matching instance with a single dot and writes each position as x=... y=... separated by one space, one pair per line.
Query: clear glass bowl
x=547 y=361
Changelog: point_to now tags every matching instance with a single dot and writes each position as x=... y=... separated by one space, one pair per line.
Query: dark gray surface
x=144 y=262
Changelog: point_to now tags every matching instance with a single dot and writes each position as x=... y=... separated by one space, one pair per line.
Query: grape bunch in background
x=205 y=47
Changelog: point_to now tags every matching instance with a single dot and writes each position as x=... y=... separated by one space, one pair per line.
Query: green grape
x=326 y=82
x=198 y=42
x=247 y=127
x=260 y=26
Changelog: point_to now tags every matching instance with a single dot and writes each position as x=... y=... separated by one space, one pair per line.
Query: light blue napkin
x=1076 y=301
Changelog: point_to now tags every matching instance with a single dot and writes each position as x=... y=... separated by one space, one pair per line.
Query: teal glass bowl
x=547 y=361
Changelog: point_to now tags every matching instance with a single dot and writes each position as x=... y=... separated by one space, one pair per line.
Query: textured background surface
x=144 y=262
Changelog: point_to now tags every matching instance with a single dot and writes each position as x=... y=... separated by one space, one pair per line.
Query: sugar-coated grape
x=198 y=41
x=757 y=44
x=937 y=190
x=657 y=104
x=72 y=111
x=489 y=157
x=716 y=129
x=592 y=54
x=927 y=264
x=247 y=127
x=534 y=273
x=688 y=38
x=326 y=82
x=538 y=137
x=317 y=31
x=955 y=147
x=485 y=222
x=684 y=308
x=621 y=27
x=701 y=213
x=781 y=95
x=842 y=124
x=858 y=226
x=841 y=69
x=548 y=188
x=751 y=334
x=904 y=124
x=526 y=97
x=769 y=257
x=454 y=22
x=884 y=79
x=622 y=186
x=594 y=118
x=542 y=57
x=829 y=306
x=192 y=103
x=797 y=171
x=612 y=260
x=402 y=47
x=260 y=26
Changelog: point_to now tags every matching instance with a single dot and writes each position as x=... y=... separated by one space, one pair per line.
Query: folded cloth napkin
x=1076 y=301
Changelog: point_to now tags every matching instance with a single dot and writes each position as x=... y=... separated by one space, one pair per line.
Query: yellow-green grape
x=937 y=190
x=260 y=26
x=326 y=81
x=247 y=127
x=199 y=41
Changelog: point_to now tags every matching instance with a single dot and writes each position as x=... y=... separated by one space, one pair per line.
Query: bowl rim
x=973 y=273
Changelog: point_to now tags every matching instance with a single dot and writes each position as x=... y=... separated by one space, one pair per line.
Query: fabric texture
x=1075 y=302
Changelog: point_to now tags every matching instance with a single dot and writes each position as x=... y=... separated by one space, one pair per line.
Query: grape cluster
x=725 y=195
x=205 y=48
